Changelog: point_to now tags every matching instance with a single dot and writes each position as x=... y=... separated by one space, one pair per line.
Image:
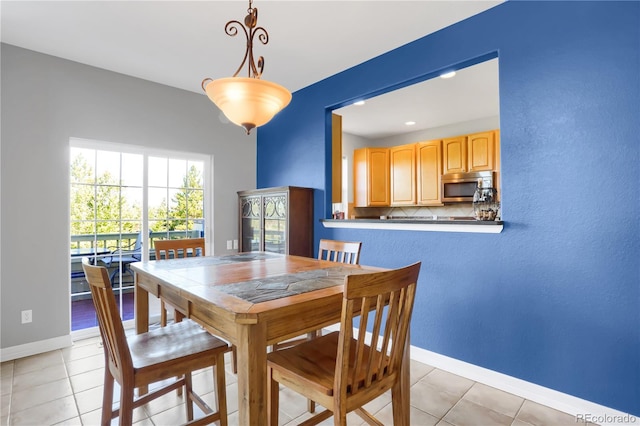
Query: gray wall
x=47 y=100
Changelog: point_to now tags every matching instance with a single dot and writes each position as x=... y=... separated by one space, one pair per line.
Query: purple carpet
x=83 y=313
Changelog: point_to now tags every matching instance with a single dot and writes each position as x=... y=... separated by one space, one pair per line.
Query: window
x=122 y=198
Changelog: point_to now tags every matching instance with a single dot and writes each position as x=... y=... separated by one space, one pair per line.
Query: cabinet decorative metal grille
x=275 y=207
x=251 y=207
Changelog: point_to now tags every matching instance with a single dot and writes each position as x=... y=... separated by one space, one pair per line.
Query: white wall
x=452 y=130
x=349 y=143
x=47 y=100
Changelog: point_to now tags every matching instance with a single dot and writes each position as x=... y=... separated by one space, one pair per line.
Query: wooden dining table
x=253 y=300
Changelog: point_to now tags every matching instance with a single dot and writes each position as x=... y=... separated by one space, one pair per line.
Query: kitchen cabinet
x=475 y=152
x=371 y=177
x=403 y=174
x=277 y=220
x=429 y=172
x=454 y=155
x=481 y=149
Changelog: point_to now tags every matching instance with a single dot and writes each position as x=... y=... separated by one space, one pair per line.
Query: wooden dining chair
x=162 y=354
x=340 y=371
x=340 y=251
x=173 y=249
x=334 y=251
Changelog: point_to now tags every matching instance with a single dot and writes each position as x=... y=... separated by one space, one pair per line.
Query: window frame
x=147 y=152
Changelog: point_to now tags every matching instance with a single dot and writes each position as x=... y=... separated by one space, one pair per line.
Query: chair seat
x=177 y=341
x=314 y=362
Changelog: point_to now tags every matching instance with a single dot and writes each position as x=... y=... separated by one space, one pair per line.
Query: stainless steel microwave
x=460 y=187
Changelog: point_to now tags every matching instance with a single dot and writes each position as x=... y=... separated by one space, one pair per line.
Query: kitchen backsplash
x=459 y=209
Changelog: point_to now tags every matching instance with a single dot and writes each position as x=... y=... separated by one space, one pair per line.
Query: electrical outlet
x=235 y=244
x=229 y=244
x=26 y=316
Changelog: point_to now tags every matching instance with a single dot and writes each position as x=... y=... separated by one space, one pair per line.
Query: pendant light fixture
x=247 y=101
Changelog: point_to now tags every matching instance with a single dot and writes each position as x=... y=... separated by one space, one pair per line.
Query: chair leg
x=113 y=275
x=126 y=405
x=188 y=388
x=273 y=398
x=311 y=406
x=220 y=388
x=107 y=397
x=163 y=314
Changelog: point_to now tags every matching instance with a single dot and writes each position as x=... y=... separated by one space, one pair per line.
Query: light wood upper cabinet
x=403 y=174
x=454 y=155
x=412 y=174
x=371 y=177
x=476 y=152
x=481 y=151
x=429 y=172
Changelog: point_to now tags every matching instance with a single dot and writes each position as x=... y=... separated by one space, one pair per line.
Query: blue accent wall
x=555 y=298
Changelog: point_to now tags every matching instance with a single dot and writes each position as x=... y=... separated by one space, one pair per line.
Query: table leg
x=141 y=308
x=252 y=374
x=141 y=315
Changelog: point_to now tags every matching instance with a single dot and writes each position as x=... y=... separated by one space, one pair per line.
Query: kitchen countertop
x=441 y=224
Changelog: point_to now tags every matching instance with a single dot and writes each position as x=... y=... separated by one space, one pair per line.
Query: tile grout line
x=73 y=392
x=457 y=402
x=518 y=412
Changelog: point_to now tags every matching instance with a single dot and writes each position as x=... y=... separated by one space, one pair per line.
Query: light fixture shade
x=248 y=102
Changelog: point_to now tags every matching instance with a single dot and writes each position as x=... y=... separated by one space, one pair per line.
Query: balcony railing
x=114 y=241
x=103 y=246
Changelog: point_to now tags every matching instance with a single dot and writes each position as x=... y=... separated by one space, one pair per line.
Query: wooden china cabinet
x=277 y=220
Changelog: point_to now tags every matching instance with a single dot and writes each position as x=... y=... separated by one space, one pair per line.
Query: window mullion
x=145 y=207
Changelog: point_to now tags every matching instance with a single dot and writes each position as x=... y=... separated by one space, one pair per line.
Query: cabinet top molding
x=274 y=189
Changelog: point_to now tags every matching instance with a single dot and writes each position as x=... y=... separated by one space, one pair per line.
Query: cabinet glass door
x=251 y=219
x=275 y=223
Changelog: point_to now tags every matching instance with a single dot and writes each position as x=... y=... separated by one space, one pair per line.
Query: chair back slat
x=339 y=251
x=395 y=319
x=185 y=247
x=383 y=301
x=109 y=321
x=376 y=368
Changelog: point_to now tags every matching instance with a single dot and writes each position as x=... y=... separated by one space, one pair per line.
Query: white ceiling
x=179 y=43
x=470 y=95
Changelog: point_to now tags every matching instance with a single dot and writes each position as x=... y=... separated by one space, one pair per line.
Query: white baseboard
x=34 y=348
x=581 y=409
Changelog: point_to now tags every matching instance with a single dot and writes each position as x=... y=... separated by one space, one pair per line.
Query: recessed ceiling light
x=410 y=123
x=359 y=103
x=448 y=74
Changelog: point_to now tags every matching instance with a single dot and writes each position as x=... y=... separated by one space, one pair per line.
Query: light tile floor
x=64 y=387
